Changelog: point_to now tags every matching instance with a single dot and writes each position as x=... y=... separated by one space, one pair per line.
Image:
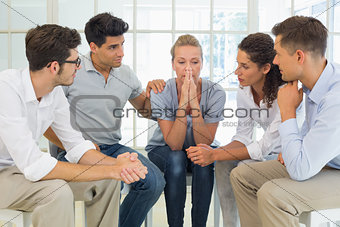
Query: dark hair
x=260 y=49
x=305 y=33
x=103 y=25
x=49 y=42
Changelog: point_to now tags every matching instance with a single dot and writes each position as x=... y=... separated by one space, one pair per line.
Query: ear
x=173 y=65
x=54 y=68
x=300 y=56
x=93 y=47
x=266 y=68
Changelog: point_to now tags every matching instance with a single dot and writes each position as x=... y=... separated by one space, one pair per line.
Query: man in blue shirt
x=275 y=193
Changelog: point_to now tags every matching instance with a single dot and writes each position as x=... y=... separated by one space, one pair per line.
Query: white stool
x=329 y=217
x=19 y=218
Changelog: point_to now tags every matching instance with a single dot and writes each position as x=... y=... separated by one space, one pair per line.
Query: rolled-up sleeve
x=40 y=167
x=74 y=154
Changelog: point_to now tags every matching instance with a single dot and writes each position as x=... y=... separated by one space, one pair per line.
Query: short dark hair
x=305 y=33
x=260 y=49
x=103 y=25
x=49 y=42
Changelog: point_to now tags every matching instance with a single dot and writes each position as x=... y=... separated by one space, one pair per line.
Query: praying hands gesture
x=189 y=99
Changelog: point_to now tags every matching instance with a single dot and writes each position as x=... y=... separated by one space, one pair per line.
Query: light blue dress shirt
x=306 y=152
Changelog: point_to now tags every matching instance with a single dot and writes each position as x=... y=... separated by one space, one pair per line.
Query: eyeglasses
x=77 y=62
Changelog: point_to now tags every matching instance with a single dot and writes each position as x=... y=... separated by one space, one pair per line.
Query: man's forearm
x=232 y=151
x=146 y=112
x=53 y=138
x=75 y=172
x=94 y=157
x=142 y=105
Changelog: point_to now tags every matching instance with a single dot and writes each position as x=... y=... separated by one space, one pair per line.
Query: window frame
x=252 y=26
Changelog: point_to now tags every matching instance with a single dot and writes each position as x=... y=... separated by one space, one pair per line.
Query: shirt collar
x=321 y=86
x=88 y=64
x=29 y=92
x=247 y=91
x=28 y=86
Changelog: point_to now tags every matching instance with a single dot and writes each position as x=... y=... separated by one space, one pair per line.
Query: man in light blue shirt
x=275 y=193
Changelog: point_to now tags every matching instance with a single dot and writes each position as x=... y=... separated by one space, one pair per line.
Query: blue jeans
x=143 y=194
x=174 y=165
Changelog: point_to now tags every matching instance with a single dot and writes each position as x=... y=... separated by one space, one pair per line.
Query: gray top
x=165 y=104
x=96 y=107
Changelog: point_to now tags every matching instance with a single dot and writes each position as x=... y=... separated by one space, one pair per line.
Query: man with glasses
x=32 y=101
x=97 y=97
x=76 y=62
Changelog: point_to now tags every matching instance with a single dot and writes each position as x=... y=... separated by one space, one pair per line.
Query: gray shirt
x=96 y=106
x=165 y=104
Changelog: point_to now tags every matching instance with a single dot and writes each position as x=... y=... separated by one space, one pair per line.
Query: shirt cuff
x=212 y=120
x=75 y=154
x=254 y=151
x=40 y=168
x=244 y=140
x=288 y=127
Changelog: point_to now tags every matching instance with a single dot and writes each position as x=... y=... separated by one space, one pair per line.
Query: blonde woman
x=188 y=112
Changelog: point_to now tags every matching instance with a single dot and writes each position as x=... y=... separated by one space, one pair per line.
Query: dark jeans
x=143 y=194
x=174 y=165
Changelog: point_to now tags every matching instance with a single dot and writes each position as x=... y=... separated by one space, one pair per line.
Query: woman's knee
x=203 y=173
x=176 y=162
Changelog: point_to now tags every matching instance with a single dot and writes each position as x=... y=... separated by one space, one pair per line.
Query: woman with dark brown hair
x=256 y=98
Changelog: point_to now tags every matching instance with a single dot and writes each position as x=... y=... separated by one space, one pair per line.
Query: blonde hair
x=185 y=40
